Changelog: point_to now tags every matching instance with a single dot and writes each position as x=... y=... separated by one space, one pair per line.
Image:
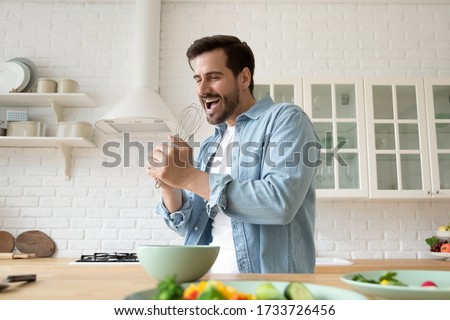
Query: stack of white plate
x=17 y=75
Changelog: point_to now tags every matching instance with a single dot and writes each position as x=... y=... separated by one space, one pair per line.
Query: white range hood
x=142 y=109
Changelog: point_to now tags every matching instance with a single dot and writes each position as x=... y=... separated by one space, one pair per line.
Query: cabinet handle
x=429 y=192
x=437 y=191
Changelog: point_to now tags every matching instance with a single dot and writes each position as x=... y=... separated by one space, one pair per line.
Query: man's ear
x=246 y=78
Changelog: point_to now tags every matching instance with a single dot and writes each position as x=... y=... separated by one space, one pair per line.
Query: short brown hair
x=239 y=55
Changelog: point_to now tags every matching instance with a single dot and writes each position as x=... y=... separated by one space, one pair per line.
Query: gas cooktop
x=110 y=258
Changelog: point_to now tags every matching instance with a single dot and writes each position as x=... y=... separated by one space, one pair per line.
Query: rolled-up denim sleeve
x=218 y=200
x=177 y=220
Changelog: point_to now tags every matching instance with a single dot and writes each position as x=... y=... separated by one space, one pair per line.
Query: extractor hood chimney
x=142 y=109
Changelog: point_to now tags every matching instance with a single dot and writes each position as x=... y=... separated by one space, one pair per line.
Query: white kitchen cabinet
x=437 y=98
x=398 y=139
x=391 y=136
x=336 y=108
x=57 y=101
x=281 y=90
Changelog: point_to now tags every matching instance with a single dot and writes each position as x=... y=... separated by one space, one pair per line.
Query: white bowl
x=25 y=129
x=75 y=129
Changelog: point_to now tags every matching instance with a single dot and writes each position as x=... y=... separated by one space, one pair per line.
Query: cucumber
x=267 y=291
x=298 y=291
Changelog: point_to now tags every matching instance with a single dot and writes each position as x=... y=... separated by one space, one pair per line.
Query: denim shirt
x=269 y=195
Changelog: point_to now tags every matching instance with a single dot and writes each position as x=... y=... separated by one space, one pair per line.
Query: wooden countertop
x=57 y=280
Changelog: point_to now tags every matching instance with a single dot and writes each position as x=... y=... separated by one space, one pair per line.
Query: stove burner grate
x=109 y=257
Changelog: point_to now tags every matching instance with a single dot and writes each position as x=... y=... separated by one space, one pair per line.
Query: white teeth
x=210 y=100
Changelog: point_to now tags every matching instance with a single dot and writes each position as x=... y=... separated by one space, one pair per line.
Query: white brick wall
x=104 y=209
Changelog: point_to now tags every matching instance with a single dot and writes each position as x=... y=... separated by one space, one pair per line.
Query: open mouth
x=211 y=103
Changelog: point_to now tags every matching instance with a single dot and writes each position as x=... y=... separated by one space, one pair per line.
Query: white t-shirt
x=221 y=227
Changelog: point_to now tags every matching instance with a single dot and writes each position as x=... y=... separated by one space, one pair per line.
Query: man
x=252 y=191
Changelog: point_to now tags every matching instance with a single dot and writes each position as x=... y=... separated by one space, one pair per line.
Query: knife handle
x=21 y=278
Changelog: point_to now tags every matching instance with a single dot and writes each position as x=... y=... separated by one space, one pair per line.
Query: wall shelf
x=45 y=142
x=57 y=101
x=64 y=144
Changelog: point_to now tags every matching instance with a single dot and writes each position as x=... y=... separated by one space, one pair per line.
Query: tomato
x=445 y=247
x=191 y=295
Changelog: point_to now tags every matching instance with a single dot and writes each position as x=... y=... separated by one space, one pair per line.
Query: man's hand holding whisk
x=171 y=163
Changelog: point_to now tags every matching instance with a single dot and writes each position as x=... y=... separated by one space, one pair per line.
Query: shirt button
x=205 y=200
x=195 y=228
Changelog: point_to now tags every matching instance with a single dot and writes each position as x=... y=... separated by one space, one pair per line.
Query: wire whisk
x=188 y=123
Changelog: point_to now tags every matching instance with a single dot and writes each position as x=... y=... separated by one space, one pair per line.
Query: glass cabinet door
x=337 y=112
x=437 y=94
x=288 y=91
x=397 y=139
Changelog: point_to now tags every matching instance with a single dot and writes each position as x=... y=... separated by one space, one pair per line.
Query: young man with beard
x=252 y=191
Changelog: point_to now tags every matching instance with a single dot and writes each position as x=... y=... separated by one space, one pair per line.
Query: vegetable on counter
x=387 y=279
x=267 y=291
x=214 y=290
x=168 y=289
x=298 y=291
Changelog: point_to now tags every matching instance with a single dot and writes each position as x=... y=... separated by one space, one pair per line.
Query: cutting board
x=35 y=241
x=6 y=241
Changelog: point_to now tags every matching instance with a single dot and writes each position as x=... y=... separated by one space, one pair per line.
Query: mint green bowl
x=186 y=263
x=412 y=278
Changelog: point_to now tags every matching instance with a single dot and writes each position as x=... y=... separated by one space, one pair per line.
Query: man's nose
x=203 y=88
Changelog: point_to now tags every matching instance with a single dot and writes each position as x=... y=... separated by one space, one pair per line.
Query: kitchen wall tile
x=86 y=223
x=52 y=223
x=67 y=234
x=366 y=254
x=382 y=245
x=69 y=213
x=102 y=234
x=122 y=223
x=50 y=202
x=401 y=255
x=85 y=245
x=117 y=246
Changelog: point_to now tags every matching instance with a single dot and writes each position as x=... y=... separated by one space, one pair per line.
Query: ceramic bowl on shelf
x=74 y=130
x=26 y=129
x=185 y=263
x=68 y=86
x=46 y=85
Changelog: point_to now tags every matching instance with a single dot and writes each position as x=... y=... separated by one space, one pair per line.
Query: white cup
x=68 y=86
x=46 y=85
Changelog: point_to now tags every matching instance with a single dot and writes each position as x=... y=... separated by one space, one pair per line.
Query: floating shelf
x=57 y=101
x=45 y=100
x=64 y=144
x=45 y=142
